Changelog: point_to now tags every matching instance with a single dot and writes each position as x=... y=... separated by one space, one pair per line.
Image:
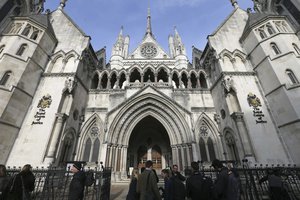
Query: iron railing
x=252 y=189
x=53 y=184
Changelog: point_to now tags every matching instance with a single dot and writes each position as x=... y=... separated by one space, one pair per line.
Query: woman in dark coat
x=4 y=180
x=22 y=184
x=132 y=194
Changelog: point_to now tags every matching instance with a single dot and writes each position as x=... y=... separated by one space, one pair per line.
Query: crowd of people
x=144 y=184
x=197 y=186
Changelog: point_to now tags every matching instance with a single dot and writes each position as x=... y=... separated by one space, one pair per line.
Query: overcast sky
x=102 y=19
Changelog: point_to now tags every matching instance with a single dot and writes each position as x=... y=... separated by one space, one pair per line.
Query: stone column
x=189 y=84
x=195 y=151
x=170 y=78
x=60 y=119
x=183 y=158
x=207 y=152
x=188 y=157
x=239 y=120
x=107 y=159
x=155 y=78
x=142 y=78
x=198 y=82
x=174 y=155
x=124 y=162
x=108 y=86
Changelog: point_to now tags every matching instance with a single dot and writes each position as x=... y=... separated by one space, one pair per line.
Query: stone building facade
x=61 y=100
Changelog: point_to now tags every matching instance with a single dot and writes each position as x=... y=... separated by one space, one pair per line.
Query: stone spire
x=234 y=3
x=62 y=4
x=149 y=29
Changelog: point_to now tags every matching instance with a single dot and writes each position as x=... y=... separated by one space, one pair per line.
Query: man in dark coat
x=197 y=186
x=221 y=183
x=147 y=184
x=176 y=173
x=77 y=184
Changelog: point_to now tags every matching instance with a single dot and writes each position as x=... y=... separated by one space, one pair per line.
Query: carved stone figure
x=227 y=83
x=253 y=100
x=70 y=84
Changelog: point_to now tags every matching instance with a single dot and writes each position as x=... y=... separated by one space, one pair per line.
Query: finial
x=62 y=4
x=149 y=29
x=234 y=3
x=121 y=31
x=175 y=30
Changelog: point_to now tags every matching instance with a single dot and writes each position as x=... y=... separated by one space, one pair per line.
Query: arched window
x=211 y=149
x=294 y=45
x=275 y=48
x=175 y=80
x=35 y=34
x=293 y=79
x=95 y=82
x=135 y=75
x=113 y=81
x=162 y=75
x=96 y=148
x=148 y=76
x=22 y=49
x=184 y=80
x=203 y=150
x=1 y=48
x=104 y=81
x=203 y=83
x=87 y=150
x=270 y=29
x=26 y=30
x=193 y=80
x=262 y=33
x=5 y=77
x=122 y=80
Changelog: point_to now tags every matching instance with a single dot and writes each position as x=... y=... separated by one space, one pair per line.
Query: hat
x=77 y=165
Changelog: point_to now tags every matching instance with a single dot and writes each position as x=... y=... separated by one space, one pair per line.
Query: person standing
x=221 y=183
x=198 y=186
x=147 y=184
x=167 y=193
x=132 y=194
x=176 y=173
x=76 y=188
x=4 y=180
x=22 y=184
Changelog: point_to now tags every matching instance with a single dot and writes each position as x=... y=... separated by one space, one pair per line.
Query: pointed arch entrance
x=149 y=140
x=173 y=140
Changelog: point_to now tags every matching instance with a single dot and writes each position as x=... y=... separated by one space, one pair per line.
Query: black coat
x=132 y=194
x=220 y=189
x=4 y=181
x=20 y=181
x=77 y=186
x=199 y=187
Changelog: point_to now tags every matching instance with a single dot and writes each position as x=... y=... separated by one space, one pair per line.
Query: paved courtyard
x=119 y=191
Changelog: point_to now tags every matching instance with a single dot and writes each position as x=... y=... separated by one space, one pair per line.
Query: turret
x=117 y=54
x=179 y=51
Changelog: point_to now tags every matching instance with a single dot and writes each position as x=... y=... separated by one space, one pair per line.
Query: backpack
x=89 y=178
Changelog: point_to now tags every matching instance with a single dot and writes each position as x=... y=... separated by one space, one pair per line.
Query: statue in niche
x=70 y=84
x=124 y=84
x=227 y=83
x=174 y=84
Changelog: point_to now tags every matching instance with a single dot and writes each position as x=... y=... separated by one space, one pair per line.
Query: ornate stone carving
x=253 y=100
x=70 y=84
x=227 y=83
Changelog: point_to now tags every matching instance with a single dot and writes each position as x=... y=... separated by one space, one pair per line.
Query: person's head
x=166 y=173
x=149 y=164
x=2 y=170
x=134 y=174
x=26 y=168
x=175 y=168
x=217 y=164
x=76 y=167
x=195 y=166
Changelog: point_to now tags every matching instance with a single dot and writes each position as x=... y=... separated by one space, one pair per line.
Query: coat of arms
x=45 y=102
x=253 y=100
